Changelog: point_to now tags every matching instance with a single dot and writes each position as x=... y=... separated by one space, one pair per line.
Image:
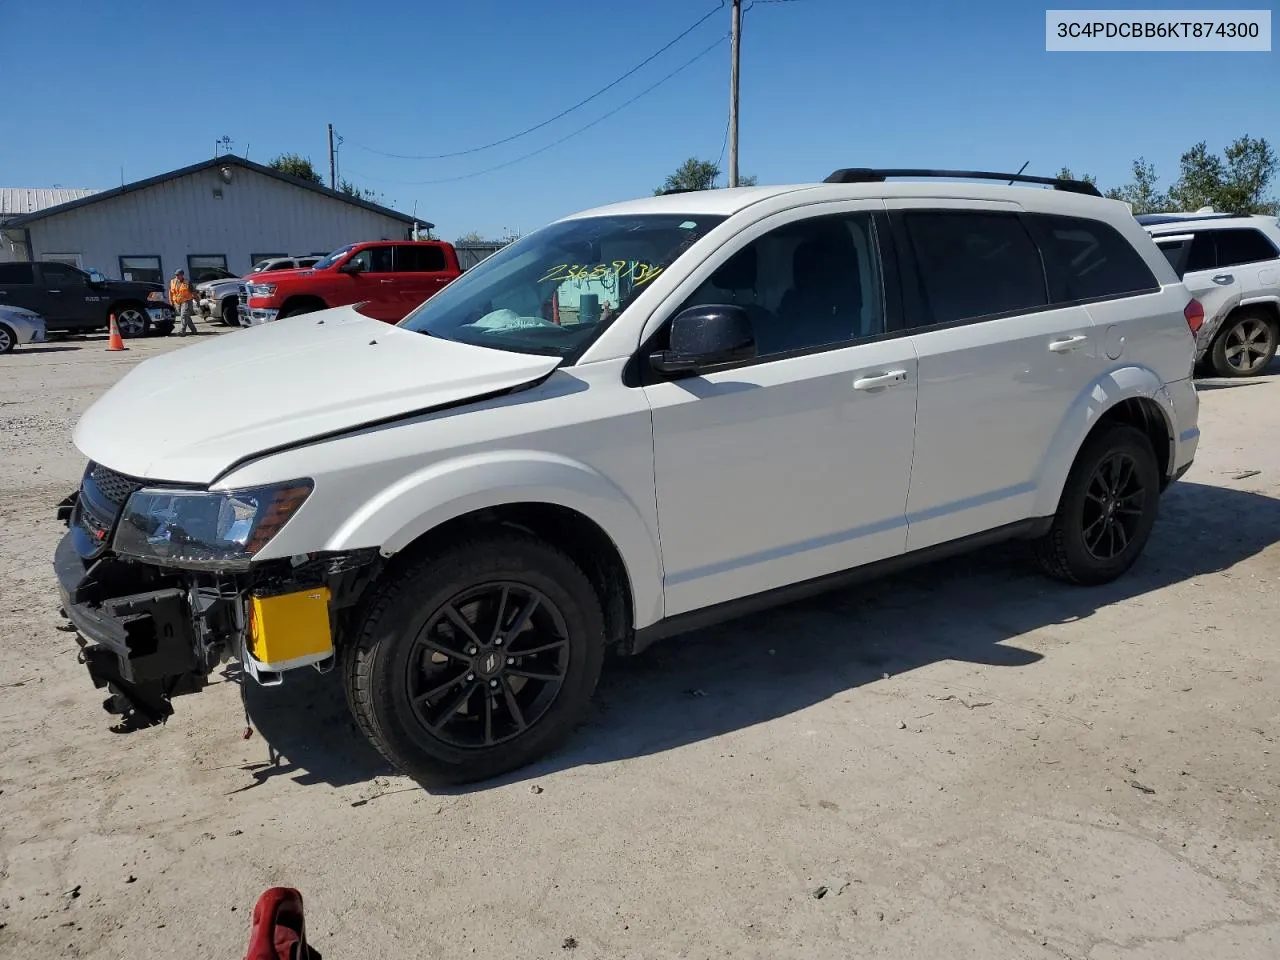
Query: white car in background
x=1230 y=251
x=19 y=326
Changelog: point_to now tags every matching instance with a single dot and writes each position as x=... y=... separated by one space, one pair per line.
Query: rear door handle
x=880 y=380
x=386 y=281
x=54 y=291
x=1067 y=345
x=1223 y=279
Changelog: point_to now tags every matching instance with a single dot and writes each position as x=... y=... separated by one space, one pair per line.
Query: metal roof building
x=224 y=213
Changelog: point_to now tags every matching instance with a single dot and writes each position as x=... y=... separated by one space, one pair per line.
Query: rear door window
x=1089 y=260
x=975 y=264
x=22 y=273
x=1203 y=255
x=411 y=258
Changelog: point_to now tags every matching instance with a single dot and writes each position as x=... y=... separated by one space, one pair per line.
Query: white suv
x=635 y=421
x=1229 y=250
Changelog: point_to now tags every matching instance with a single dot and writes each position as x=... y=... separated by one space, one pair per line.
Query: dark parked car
x=72 y=301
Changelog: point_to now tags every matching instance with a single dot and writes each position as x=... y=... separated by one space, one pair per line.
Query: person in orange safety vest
x=183 y=299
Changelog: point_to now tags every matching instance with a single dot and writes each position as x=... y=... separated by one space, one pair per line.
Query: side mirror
x=706 y=336
x=352 y=266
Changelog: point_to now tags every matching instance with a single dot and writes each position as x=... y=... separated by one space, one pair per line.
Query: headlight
x=261 y=289
x=156 y=296
x=206 y=530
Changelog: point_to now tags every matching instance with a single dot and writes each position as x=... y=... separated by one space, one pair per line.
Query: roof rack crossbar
x=877 y=175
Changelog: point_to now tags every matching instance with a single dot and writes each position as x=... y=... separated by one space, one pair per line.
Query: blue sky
x=825 y=83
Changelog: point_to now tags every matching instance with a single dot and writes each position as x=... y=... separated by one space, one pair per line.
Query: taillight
x=1194 y=312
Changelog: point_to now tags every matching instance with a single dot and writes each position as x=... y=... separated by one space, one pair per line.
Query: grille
x=116 y=487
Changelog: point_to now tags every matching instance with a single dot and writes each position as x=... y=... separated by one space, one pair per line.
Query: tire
x=231 y=313
x=132 y=321
x=295 y=311
x=1245 y=345
x=1116 y=466
x=163 y=328
x=8 y=339
x=478 y=733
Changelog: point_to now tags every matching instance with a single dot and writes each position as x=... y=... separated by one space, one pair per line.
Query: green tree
x=1142 y=193
x=472 y=236
x=360 y=193
x=1066 y=174
x=695 y=174
x=295 y=165
x=1236 y=182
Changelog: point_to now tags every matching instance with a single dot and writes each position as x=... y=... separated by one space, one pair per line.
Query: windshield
x=559 y=288
x=334 y=257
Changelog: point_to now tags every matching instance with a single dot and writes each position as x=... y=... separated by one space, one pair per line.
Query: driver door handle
x=53 y=291
x=880 y=380
x=1223 y=279
x=1067 y=345
x=386 y=281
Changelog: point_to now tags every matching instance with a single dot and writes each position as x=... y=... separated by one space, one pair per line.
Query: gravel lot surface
x=966 y=761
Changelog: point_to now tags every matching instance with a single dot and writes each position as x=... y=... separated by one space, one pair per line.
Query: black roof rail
x=877 y=175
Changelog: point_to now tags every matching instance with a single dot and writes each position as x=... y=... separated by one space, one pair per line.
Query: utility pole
x=735 y=41
x=333 y=174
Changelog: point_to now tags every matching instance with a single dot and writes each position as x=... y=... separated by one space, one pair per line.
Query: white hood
x=188 y=415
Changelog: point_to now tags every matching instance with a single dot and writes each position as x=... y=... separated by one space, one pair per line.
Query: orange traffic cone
x=114 y=340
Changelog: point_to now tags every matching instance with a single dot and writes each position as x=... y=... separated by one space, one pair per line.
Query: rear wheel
x=1245 y=346
x=477 y=659
x=132 y=321
x=1107 y=510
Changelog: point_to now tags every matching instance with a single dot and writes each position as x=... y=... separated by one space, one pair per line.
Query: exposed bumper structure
x=142 y=646
x=149 y=633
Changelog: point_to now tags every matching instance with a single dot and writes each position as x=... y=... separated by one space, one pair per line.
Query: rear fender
x=422 y=501
x=1125 y=383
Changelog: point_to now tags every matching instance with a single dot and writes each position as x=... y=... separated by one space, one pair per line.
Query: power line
x=555 y=143
x=562 y=113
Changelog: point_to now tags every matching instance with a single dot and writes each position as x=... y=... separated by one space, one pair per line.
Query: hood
x=137 y=287
x=188 y=415
x=271 y=276
x=211 y=285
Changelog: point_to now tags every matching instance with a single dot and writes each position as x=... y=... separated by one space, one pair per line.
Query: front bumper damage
x=149 y=633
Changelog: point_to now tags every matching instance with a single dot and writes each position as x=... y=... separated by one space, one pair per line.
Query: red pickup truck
x=390 y=277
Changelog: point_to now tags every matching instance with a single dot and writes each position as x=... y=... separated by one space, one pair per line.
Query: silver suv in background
x=1228 y=250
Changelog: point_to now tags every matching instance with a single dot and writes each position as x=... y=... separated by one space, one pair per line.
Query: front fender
x=1116 y=386
x=423 y=500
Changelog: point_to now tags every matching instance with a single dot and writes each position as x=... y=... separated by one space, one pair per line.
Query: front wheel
x=1107 y=510
x=132 y=322
x=8 y=339
x=1245 y=346
x=477 y=659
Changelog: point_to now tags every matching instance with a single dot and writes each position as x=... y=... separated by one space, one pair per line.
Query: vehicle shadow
x=44 y=349
x=755 y=670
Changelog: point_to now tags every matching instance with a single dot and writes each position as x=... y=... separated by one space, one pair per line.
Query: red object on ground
x=279 y=930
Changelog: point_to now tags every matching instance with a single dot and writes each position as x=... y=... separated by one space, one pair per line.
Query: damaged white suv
x=634 y=421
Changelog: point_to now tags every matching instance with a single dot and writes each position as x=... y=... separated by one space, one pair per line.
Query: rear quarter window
x=1236 y=247
x=1089 y=260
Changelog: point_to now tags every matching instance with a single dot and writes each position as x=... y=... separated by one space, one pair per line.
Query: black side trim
x=383 y=422
x=732 y=609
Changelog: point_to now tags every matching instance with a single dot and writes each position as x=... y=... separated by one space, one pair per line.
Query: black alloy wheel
x=488 y=664
x=1113 y=507
x=475 y=656
x=1107 y=509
